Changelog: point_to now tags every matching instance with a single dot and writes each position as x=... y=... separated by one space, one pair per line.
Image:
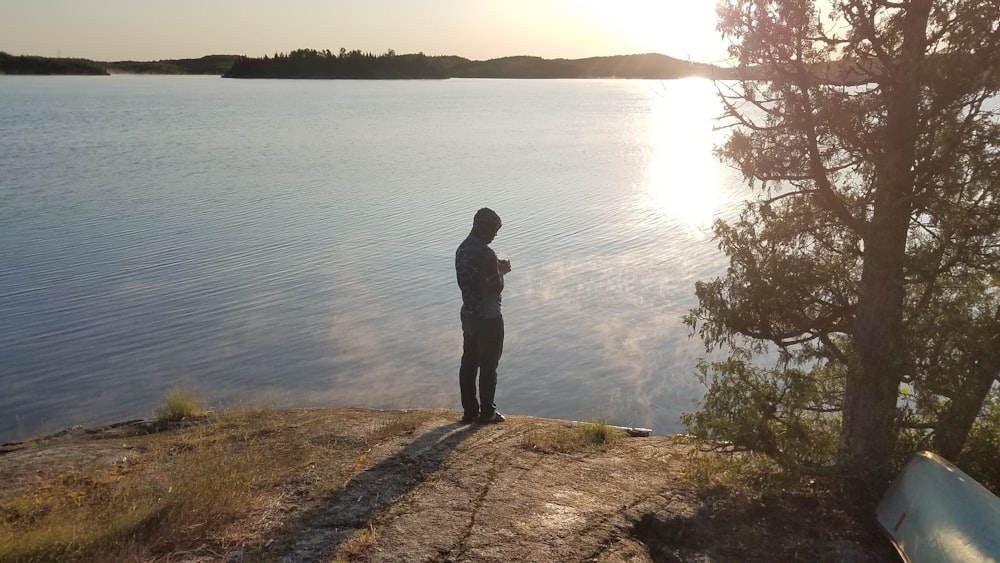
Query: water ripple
x=282 y=241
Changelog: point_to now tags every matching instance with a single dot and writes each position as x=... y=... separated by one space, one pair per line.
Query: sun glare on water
x=682 y=178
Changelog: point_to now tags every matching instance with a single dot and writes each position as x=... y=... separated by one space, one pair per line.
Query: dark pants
x=482 y=344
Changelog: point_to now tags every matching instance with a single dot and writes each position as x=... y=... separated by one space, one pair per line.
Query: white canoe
x=935 y=513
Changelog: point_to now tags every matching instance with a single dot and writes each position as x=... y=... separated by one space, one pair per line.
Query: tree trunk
x=956 y=422
x=954 y=426
x=868 y=432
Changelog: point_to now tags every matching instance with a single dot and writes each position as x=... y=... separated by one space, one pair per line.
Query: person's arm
x=491 y=271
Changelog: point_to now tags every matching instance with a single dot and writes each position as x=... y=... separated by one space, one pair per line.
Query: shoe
x=469 y=419
x=497 y=417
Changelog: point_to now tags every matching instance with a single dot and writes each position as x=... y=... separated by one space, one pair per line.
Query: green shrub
x=787 y=413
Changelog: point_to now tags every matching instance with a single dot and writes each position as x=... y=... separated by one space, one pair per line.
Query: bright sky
x=144 y=30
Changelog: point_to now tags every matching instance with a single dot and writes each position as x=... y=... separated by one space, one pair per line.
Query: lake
x=291 y=243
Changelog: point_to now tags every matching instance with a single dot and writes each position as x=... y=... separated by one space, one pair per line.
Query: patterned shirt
x=479 y=279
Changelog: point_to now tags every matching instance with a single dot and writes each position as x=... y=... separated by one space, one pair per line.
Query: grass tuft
x=571 y=438
x=358 y=546
x=177 y=406
x=599 y=433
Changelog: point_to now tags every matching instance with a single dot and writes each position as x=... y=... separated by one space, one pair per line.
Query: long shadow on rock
x=362 y=498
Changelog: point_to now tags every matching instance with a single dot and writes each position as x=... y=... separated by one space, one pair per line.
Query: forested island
x=310 y=63
x=315 y=64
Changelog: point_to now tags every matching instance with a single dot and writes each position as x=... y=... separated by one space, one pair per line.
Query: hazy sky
x=143 y=30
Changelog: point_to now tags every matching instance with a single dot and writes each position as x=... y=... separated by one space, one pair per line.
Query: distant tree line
x=646 y=66
x=21 y=64
x=210 y=64
x=310 y=63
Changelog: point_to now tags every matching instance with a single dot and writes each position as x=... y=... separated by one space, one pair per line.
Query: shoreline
x=415 y=485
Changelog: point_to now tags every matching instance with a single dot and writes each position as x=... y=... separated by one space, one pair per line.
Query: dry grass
x=599 y=433
x=251 y=481
x=745 y=472
x=357 y=546
x=177 y=406
x=570 y=437
x=192 y=491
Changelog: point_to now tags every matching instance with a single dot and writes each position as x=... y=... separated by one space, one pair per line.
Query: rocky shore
x=431 y=489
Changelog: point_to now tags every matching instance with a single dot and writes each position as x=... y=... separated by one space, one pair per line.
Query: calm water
x=292 y=242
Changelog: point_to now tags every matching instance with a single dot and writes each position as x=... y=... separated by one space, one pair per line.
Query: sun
x=683 y=29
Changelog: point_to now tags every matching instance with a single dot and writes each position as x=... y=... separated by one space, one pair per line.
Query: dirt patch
x=447 y=492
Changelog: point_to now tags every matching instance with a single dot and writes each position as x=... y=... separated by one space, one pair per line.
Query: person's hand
x=503 y=266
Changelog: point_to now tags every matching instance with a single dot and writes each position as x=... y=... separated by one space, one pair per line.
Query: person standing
x=480 y=277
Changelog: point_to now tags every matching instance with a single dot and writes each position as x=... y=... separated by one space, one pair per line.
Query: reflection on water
x=293 y=242
x=682 y=182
